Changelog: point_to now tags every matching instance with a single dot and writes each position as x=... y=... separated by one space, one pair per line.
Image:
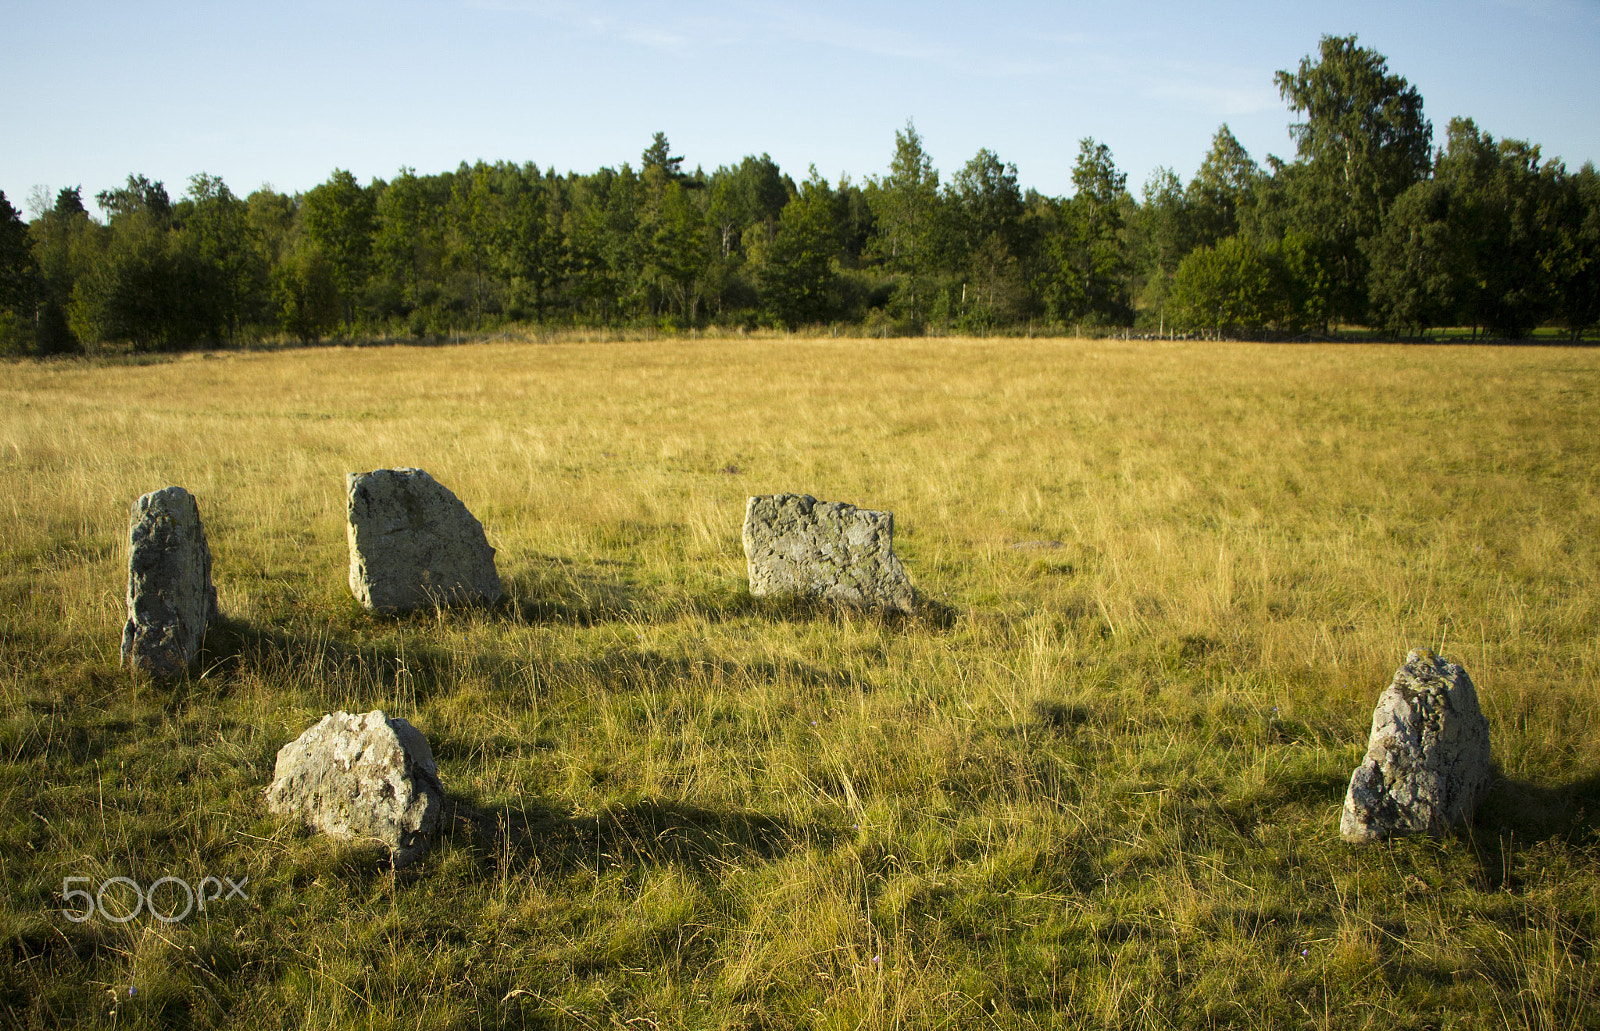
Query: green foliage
x=1223 y=192
x=306 y=290
x=1504 y=214
x=65 y=243
x=408 y=241
x=907 y=206
x=1578 y=260
x=19 y=282
x=220 y=241
x=153 y=287
x=1415 y=262
x=675 y=247
x=798 y=275
x=1364 y=142
x=1362 y=228
x=1087 y=260
x=339 y=216
x=529 y=250
x=1225 y=289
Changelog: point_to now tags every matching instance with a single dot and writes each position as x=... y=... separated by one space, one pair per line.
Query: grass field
x=1096 y=785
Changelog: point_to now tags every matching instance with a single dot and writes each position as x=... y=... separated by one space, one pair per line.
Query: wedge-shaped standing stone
x=413 y=544
x=1427 y=764
x=170 y=597
x=362 y=777
x=797 y=545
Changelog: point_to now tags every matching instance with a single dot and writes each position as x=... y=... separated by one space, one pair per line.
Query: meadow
x=1094 y=784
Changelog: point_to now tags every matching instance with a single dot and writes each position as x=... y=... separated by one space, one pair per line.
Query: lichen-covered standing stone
x=413 y=544
x=1427 y=764
x=796 y=545
x=171 y=600
x=361 y=777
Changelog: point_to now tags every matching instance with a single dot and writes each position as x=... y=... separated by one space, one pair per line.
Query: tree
x=1225 y=289
x=985 y=202
x=1164 y=231
x=1363 y=142
x=218 y=235
x=1504 y=216
x=19 y=281
x=143 y=287
x=272 y=216
x=339 y=216
x=1414 y=262
x=1578 y=283
x=140 y=195
x=659 y=156
x=1088 y=278
x=906 y=203
x=65 y=243
x=1222 y=191
x=304 y=287
x=408 y=241
x=528 y=246
x=472 y=220
x=798 y=278
x=675 y=247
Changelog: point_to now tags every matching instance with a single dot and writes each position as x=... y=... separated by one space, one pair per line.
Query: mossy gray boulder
x=361 y=777
x=413 y=544
x=171 y=600
x=797 y=546
x=1428 y=762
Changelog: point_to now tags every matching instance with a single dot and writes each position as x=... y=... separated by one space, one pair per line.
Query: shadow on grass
x=558 y=590
x=647 y=833
x=234 y=648
x=626 y=669
x=930 y=614
x=1519 y=814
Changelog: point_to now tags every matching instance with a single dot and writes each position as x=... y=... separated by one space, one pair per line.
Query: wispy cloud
x=592 y=21
x=737 y=23
x=1205 y=93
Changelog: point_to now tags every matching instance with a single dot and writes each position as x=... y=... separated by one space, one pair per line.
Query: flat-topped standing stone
x=362 y=777
x=413 y=544
x=171 y=600
x=1427 y=764
x=797 y=545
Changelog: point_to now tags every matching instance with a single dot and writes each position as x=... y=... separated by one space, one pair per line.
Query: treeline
x=1370 y=225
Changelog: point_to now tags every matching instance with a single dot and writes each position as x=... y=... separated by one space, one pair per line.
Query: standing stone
x=171 y=600
x=797 y=545
x=362 y=777
x=413 y=544
x=1427 y=764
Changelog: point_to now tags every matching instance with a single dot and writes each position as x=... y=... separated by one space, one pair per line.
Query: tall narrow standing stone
x=413 y=544
x=797 y=545
x=170 y=597
x=1427 y=764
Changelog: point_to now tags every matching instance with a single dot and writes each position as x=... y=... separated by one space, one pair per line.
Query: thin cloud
x=669 y=37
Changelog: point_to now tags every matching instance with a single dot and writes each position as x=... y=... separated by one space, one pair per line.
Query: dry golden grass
x=1097 y=786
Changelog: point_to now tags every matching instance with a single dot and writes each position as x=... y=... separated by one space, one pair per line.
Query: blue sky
x=283 y=93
